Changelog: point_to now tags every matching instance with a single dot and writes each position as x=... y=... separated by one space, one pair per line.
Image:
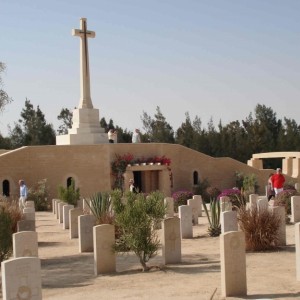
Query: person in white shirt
x=136 y=137
x=111 y=136
x=132 y=187
x=23 y=193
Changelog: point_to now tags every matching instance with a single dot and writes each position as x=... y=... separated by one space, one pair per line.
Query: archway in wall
x=69 y=181
x=195 y=178
x=5 y=188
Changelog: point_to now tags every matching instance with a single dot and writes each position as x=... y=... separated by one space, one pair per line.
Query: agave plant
x=214 y=228
x=100 y=206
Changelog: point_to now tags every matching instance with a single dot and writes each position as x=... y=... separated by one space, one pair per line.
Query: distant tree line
x=259 y=132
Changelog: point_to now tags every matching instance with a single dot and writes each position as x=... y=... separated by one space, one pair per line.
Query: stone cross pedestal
x=86 y=120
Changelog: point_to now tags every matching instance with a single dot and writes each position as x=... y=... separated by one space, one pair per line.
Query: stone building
x=90 y=167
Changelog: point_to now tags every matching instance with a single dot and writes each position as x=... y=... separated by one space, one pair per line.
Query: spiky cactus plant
x=214 y=228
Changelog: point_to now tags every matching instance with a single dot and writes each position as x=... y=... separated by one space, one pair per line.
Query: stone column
x=296 y=166
x=287 y=166
x=256 y=163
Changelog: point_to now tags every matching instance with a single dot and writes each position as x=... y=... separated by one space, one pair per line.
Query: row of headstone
x=104 y=241
x=229 y=221
x=21 y=275
x=100 y=239
x=27 y=223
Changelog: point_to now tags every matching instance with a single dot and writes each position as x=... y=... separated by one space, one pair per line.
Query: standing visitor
x=136 y=137
x=132 y=187
x=270 y=189
x=277 y=181
x=23 y=193
x=111 y=135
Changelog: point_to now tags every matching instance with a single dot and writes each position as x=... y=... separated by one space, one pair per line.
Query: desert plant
x=260 y=228
x=214 y=228
x=135 y=218
x=9 y=216
x=211 y=192
x=5 y=234
x=69 y=195
x=39 y=194
x=181 y=198
x=100 y=206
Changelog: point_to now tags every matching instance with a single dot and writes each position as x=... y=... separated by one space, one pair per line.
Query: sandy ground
x=67 y=274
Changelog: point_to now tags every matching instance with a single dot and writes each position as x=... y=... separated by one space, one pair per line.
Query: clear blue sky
x=211 y=58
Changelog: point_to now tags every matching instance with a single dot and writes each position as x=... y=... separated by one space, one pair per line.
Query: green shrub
x=39 y=194
x=246 y=182
x=69 y=195
x=136 y=215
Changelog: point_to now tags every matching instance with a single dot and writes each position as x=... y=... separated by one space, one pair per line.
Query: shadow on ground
x=68 y=271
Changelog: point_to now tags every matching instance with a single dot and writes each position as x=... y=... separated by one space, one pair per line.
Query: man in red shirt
x=277 y=181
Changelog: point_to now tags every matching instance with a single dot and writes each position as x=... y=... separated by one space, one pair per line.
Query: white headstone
x=171 y=243
x=169 y=203
x=280 y=211
x=66 y=221
x=57 y=201
x=61 y=211
x=253 y=201
x=262 y=204
x=233 y=264
x=225 y=204
x=26 y=225
x=85 y=206
x=85 y=232
x=25 y=243
x=186 y=221
x=73 y=221
x=21 y=279
x=229 y=221
x=30 y=216
x=194 y=204
x=54 y=205
x=104 y=255
x=199 y=199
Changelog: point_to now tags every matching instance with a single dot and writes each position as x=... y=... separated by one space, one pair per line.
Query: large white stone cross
x=85 y=92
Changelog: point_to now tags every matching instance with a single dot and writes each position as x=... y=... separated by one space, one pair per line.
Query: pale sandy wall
x=90 y=166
